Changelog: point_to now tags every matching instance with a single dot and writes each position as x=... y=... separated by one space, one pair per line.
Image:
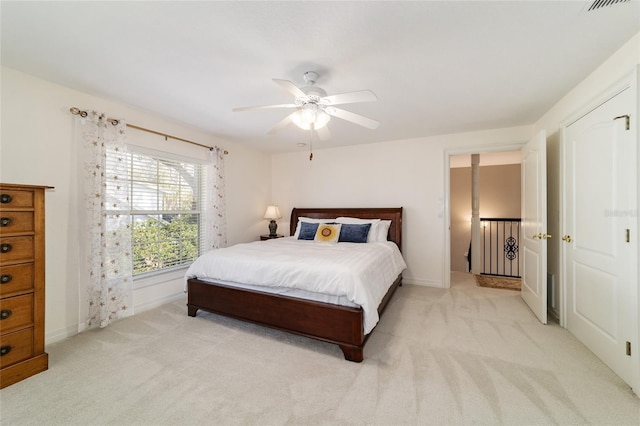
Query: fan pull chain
x=311 y=142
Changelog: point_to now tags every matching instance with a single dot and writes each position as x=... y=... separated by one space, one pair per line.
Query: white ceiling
x=437 y=67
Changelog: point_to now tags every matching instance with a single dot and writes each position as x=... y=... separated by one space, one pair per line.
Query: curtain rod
x=78 y=111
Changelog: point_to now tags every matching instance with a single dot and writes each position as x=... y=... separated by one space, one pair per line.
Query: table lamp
x=273 y=213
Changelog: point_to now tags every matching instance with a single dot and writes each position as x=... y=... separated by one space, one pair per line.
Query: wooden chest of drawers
x=22 y=283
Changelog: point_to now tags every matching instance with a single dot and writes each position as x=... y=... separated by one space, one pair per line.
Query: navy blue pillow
x=307 y=231
x=354 y=233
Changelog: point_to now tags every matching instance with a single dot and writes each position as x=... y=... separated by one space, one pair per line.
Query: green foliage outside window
x=164 y=242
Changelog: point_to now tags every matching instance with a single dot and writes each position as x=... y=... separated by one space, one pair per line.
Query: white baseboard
x=159 y=302
x=61 y=334
x=425 y=283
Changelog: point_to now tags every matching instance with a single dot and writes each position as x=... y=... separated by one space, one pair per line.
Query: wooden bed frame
x=321 y=321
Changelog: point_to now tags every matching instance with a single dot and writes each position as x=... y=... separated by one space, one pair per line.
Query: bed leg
x=352 y=353
x=191 y=310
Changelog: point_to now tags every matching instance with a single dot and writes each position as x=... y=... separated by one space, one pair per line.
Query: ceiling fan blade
x=353 y=117
x=290 y=87
x=280 y=125
x=264 y=107
x=323 y=133
x=351 y=97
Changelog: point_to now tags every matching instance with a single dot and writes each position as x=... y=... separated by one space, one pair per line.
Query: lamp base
x=273 y=227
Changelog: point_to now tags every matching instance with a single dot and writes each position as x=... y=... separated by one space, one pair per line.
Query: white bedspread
x=360 y=272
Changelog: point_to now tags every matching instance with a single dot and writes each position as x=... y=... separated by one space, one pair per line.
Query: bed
x=320 y=320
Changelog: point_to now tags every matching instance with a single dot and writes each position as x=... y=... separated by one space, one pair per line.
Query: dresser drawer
x=16 y=249
x=16 y=347
x=15 y=222
x=16 y=278
x=11 y=198
x=16 y=312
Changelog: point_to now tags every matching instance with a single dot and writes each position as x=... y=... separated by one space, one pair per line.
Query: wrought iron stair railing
x=500 y=243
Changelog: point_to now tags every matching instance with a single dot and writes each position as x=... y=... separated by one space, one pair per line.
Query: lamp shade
x=273 y=212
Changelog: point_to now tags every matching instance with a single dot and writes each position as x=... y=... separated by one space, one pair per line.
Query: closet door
x=600 y=230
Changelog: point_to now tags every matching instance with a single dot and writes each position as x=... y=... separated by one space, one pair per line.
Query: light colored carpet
x=498 y=282
x=467 y=355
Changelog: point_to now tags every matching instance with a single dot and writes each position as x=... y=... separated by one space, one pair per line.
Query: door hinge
x=628 y=236
x=627 y=120
x=628 y=348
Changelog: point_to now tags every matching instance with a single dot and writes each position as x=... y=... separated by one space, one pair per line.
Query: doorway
x=499 y=195
x=453 y=155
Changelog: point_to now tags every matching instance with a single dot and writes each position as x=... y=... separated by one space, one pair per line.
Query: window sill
x=158 y=278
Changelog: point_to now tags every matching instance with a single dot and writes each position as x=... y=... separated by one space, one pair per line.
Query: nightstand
x=268 y=237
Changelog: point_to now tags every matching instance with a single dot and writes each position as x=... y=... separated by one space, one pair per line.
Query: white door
x=534 y=225
x=599 y=229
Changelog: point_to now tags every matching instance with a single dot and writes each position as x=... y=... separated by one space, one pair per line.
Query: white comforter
x=360 y=272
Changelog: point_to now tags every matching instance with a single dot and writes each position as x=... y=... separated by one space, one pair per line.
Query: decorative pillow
x=354 y=233
x=309 y=220
x=328 y=233
x=373 y=235
x=307 y=230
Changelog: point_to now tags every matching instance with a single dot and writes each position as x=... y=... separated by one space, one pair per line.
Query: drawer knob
x=5 y=313
x=5 y=278
x=5 y=248
x=5 y=221
x=5 y=198
x=5 y=350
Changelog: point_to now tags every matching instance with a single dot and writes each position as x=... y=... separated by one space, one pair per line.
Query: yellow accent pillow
x=328 y=233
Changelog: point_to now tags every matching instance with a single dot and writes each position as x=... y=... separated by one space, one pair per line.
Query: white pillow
x=373 y=231
x=382 y=229
x=309 y=220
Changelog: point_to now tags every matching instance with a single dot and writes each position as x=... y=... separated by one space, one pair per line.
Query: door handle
x=542 y=236
x=567 y=238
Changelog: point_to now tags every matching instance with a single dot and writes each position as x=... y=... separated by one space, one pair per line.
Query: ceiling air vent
x=599 y=4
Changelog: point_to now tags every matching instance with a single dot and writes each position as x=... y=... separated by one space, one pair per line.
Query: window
x=166 y=203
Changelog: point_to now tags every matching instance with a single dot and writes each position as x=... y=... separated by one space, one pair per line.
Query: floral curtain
x=106 y=284
x=215 y=235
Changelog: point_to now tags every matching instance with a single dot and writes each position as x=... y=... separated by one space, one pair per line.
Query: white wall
x=406 y=173
x=36 y=148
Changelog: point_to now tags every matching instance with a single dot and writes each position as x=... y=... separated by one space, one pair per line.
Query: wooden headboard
x=394 y=214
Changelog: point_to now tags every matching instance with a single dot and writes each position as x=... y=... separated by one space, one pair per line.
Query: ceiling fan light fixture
x=322 y=118
x=307 y=116
x=304 y=117
x=314 y=109
x=296 y=118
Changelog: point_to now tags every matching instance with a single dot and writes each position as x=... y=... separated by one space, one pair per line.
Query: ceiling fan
x=314 y=109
